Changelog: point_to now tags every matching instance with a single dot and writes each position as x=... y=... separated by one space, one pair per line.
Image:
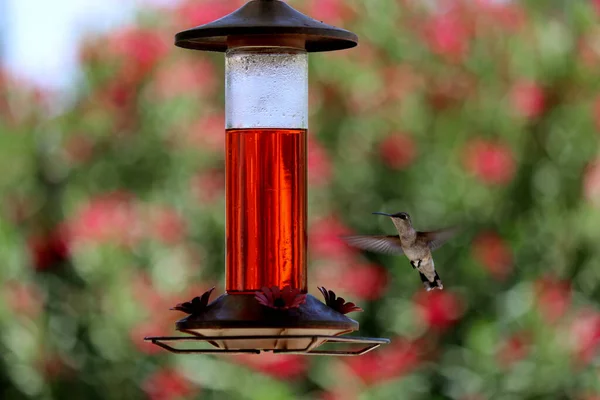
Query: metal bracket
x=372 y=343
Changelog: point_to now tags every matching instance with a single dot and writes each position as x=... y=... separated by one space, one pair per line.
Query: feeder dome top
x=263 y=19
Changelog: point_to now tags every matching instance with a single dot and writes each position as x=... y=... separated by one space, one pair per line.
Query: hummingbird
x=417 y=246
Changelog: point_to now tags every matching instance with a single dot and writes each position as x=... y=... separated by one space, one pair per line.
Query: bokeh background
x=477 y=112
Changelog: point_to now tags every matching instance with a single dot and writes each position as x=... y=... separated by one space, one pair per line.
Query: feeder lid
x=266 y=18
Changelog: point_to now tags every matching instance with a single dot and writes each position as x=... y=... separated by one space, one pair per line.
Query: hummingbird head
x=400 y=219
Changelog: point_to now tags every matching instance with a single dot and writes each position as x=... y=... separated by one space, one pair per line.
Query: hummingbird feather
x=380 y=244
x=435 y=239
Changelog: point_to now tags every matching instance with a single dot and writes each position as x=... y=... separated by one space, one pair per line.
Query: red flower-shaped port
x=338 y=303
x=196 y=306
x=280 y=299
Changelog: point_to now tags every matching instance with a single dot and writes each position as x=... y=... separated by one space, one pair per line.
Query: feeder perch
x=266 y=45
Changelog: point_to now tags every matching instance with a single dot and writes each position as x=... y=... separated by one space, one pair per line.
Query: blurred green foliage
x=481 y=113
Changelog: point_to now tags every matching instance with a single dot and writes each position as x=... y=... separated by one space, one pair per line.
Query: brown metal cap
x=266 y=18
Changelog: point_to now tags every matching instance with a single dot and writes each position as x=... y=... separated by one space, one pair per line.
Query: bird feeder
x=266 y=45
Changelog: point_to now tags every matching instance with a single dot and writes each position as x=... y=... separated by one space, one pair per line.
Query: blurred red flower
x=324 y=239
x=473 y=397
x=108 y=218
x=447 y=36
x=23 y=298
x=401 y=80
x=513 y=348
x=491 y=251
x=17 y=209
x=333 y=12
x=596 y=4
x=208 y=186
x=167 y=225
x=118 y=96
x=490 y=161
x=397 y=359
x=285 y=367
x=507 y=15
x=155 y=324
x=589 y=397
x=116 y=101
x=397 y=151
x=144 y=292
x=153 y=307
x=585 y=335
x=208 y=133
x=553 y=297
x=167 y=384
x=90 y=50
x=48 y=250
x=192 y=13
x=4 y=77
x=528 y=99
x=363 y=281
x=438 y=309
x=340 y=393
x=185 y=77
x=596 y=112
x=449 y=91
x=53 y=366
x=319 y=163
x=591 y=182
x=589 y=55
x=140 y=49
x=79 y=148
x=21 y=100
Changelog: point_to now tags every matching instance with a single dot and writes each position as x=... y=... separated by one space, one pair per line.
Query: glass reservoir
x=266 y=126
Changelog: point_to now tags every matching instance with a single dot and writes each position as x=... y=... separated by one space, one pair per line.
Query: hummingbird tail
x=436 y=284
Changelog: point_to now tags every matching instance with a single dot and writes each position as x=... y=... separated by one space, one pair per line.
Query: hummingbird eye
x=402 y=216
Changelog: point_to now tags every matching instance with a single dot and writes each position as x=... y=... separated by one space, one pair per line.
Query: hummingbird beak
x=380 y=213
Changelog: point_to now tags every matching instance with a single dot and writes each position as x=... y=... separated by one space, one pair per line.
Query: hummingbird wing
x=378 y=244
x=435 y=239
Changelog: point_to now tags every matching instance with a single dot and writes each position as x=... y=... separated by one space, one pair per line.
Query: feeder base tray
x=237 y=323
x=265 y=339
x=235 y=315
x=313 y=342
